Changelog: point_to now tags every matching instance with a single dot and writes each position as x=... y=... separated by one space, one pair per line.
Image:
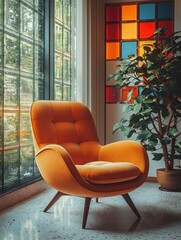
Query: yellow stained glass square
x=141 y=45
x=129 y=12
x=129 y=31
x=112 y=50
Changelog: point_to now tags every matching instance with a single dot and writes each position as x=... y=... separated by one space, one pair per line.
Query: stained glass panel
x=147 y=11
x=168 y=27
x=112 y=94
x=129 y=31
x=112 y=50
x=165 y=10
x=129 y=12
x=125 y=92
x=128 y=48
x=137 y=23
x=142 y=44
x=112 y=13
x=113 y=32
x=146 y=29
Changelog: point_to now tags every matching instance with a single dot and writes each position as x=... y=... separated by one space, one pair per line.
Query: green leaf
x=130 y=94
x=118 y=76
x=165 y=140
x=147 y=49
x=150 y=99
x=137 y=108
x=151 y=148
x=139 y=58
x=145 y=134
x=165 y=113
x=173 y=132
x=116 y=127
x=157 y=156
x=131 y=133
x=125 y=108
x=126 y=131
x=111 y=76
x=146 y=91
x=146 y=112
x=178 y=149
x=153 y=141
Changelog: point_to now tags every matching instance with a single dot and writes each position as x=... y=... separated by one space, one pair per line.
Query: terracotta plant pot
x=169 y=180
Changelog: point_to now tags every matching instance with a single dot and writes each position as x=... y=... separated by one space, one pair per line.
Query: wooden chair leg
x=54 y=199
x=86 y=211
x=131 y=204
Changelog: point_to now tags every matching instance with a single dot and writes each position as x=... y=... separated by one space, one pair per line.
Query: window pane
x=128 y=48
x=168 y=27
x=141 y=45
x=11 y=168
x=112 y=50
x=146 y=29
x=129 y=31
x=112 y=32
x=129 y=12
x=21 y=83
x=147 y=11
x=26 y=170
x=112 y=13
x=165 y=10
x=112 y=94
x=64 y=53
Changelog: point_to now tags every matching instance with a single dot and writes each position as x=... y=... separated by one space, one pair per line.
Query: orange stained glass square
x=129 y=12
x=141 y=45
x=146 y=29
x=112 y=50
x=129 y=31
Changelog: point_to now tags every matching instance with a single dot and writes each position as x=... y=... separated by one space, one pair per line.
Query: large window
x=23 y=77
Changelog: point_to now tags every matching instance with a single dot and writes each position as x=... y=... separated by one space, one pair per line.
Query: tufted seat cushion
x=103 y=172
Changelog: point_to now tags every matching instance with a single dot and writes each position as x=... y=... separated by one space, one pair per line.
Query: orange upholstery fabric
x=69 y=154
x=69 y=125
x=102 y=172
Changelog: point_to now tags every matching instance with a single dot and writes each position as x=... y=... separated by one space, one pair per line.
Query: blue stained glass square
x=165 y=10
x=128 y=48
x=147 y=11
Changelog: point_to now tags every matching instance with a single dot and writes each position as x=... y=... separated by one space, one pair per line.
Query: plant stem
x=164 y=146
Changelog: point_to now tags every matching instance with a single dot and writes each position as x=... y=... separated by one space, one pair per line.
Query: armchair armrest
x=57 y=168
x=126 y=151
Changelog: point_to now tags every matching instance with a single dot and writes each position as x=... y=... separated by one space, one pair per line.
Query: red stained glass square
x=112 y=32
x=112 y=13
x=168 y=26
x=146 y=29
x=125 y=92
x=112 y=94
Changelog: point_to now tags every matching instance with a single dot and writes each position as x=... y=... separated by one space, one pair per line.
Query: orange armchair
x=72 y=160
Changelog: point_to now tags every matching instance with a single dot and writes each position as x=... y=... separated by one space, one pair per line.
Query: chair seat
x=103 y=172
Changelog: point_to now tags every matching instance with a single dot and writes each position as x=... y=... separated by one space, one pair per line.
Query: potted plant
x=154 y=116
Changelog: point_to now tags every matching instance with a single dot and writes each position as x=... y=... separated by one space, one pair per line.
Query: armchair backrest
x=69 y=124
